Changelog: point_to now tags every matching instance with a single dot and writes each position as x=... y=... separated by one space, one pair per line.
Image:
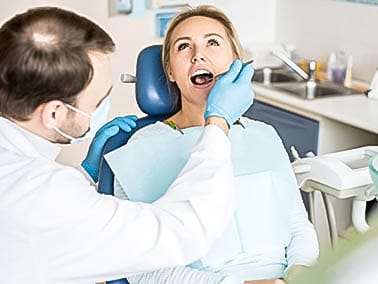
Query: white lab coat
x=56 y=228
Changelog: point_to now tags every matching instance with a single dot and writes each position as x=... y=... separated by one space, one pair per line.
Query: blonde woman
x=274 y=236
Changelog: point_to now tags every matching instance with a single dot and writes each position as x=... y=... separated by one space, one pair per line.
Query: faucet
x=310 y=76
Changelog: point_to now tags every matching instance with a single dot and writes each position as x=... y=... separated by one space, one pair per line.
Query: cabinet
x=294 y=129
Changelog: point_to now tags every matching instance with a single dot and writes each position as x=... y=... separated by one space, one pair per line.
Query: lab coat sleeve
x=303 y=248
x=102 y=237
x=87 y=176
x=182 y=275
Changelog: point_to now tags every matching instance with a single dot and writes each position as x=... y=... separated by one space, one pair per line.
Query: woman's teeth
x=201 y=77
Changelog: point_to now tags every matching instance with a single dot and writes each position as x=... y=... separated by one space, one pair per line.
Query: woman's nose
x=198 y=58
x=198 y=55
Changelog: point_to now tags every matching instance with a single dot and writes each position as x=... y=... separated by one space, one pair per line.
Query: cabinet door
x=294 y=130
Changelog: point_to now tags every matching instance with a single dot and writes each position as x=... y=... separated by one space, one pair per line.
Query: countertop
x=354 y=110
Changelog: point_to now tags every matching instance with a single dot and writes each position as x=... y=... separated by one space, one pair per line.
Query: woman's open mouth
x=201 y=77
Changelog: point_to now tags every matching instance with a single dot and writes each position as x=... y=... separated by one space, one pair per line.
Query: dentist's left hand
x=91 y=162
x=232 y=94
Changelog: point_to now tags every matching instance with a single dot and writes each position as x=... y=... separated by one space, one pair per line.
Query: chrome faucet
x=310 y=76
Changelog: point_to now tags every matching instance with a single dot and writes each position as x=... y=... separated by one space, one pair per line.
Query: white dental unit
x=342 y=175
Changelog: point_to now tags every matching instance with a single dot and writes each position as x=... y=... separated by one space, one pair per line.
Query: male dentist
x=55 y=81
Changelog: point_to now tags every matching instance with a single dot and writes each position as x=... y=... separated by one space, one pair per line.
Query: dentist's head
x=54 y=73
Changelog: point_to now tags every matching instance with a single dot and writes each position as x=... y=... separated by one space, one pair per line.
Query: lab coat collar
x=17 y=139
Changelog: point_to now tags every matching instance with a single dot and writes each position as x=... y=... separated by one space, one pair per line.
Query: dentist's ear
x=51 y=112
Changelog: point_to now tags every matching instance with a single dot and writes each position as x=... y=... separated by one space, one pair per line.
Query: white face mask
x=97 y=120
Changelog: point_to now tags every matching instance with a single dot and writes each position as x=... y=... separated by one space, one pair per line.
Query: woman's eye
x=213 y=42
x=182 y=46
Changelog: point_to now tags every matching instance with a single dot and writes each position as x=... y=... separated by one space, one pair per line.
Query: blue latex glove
x=232 y=94
x=91 y=163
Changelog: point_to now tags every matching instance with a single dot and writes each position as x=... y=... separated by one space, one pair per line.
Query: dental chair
x=154 y=98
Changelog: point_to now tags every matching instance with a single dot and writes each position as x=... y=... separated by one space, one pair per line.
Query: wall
x=317 y=27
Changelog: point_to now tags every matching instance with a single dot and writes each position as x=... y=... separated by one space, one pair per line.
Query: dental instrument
x=343 y=174
x=203 y=78
x=245 y=63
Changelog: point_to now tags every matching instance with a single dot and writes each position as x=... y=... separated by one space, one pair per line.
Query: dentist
x=55 y=81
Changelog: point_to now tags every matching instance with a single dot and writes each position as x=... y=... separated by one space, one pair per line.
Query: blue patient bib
x=264 y=183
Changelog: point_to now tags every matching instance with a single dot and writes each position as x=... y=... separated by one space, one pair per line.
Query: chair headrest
x=152 y=87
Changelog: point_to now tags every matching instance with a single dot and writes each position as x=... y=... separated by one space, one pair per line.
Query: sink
x=277 y=75
x=290 y=82
x=315 y=89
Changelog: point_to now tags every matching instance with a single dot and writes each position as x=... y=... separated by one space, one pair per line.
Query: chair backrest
x=154 y=98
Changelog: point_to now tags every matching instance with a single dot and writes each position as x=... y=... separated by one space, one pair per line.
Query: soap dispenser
x=348 y=72
x=330 y=65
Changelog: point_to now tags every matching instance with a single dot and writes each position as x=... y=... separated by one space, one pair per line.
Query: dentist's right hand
x=232 y=94
x=91 y=163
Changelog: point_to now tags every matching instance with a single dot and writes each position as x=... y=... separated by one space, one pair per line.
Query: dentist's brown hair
x=44 y=57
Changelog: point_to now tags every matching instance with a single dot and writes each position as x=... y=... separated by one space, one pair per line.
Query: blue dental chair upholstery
x=154 y=98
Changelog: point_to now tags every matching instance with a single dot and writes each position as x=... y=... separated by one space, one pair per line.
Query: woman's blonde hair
x=207 y=11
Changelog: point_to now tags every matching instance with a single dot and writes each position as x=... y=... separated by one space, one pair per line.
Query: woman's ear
x=52 y=112
x=171 y=78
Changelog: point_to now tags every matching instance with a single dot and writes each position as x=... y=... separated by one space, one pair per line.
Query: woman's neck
x=189 y=116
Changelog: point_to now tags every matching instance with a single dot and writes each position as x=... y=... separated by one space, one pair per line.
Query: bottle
x=339 y=68
x=330 y=65
x=348 y=72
